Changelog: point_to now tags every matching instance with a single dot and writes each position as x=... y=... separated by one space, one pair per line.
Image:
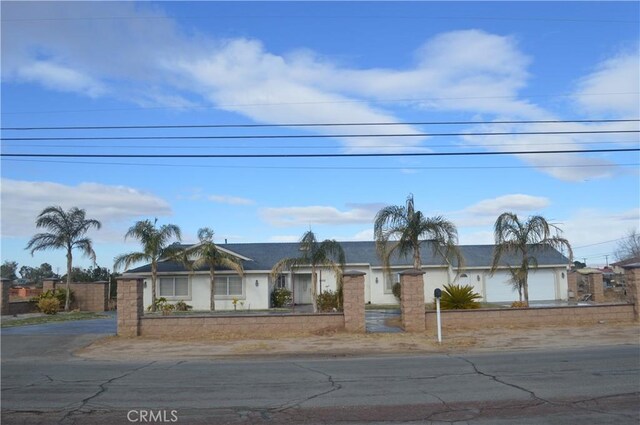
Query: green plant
x=396 y=290
x=159 y=304
x=458 y=297
x=182 y=306
x=328 y=301
x=58 y=293
x=49 y=305
x=281 y=297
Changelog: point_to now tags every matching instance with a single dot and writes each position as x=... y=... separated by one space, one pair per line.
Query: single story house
x=253 y=290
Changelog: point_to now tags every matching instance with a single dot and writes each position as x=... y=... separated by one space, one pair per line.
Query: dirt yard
x=343 y=344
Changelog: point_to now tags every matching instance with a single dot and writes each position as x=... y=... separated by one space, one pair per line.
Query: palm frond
x=126 y=260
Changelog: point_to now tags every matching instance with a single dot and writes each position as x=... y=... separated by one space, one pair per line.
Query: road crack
x=296 y=403
x=102 y=389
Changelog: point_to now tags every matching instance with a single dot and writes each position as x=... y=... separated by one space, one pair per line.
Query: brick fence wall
x=89 y=296
x=248 y=325
x=524 y=317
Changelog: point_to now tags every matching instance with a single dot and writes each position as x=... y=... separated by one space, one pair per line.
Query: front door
x=302 y=289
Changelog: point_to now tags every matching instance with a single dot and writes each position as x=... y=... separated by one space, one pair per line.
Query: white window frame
x=174 y=297
x=230 y=297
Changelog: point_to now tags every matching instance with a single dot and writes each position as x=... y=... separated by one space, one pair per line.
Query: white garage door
x=541 y=286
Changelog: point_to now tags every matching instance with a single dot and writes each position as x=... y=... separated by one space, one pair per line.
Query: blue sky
x=116 y=63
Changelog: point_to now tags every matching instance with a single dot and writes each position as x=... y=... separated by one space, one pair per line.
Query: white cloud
x=514 y=203
x=231 y=200
x=297 y=216
x=613 y=87
x=451 y=72
x=57 y=77
x=22 y=201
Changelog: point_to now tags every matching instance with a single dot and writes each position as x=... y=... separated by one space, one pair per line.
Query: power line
x=314 y=155
x=312 y=167
x=304 y=147
x=602 y=243
x=319 y=136
x=129 y=127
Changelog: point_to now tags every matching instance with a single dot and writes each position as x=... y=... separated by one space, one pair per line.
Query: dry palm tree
x=155 y=246
x=523 y=239
x=208 y=254
x=328 y=253
x=67 y=230
x=402 y=230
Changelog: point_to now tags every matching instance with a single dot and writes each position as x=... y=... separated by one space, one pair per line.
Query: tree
x=328 y=253
x=155 y=246
x=67 y=230
x=92 y=274
x=402 y=230
x=629 y=246
x=208 y=254
x=8 y=270
x=524 y=239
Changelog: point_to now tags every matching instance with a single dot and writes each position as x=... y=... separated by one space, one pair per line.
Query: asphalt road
x=43 y=383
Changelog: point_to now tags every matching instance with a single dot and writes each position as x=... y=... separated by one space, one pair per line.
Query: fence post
x=130 y=305
x=632 y=278
x=596 y=287
x=412 y=300
x=6 y=284
x=353 y=301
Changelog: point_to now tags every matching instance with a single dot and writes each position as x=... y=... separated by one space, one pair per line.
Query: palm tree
x=409 y=229
x=67 y=230
x=155 y=246
x=208 y=254
x=523 y=239
x=328 y=253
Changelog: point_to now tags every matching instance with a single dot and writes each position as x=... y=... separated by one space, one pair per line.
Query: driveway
x=106 y=326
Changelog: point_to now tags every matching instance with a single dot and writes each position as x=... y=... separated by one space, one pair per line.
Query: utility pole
x=607 y=258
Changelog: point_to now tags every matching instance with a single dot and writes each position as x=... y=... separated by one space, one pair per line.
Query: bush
x=58 y=293
x=182 y=306
x=49 y=305
x=396 y=290
x=458 y=297
x=281 y=297
x=519 y=304
x=328 y=301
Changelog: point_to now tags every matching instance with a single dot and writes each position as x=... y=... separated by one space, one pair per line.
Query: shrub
x=458 y=297
x=59 y=293
x=182 y=306
x=396 y=290
x=519 y=304
x=49 y=305
x=161 y=303
x=328 y=301
x=281 y=297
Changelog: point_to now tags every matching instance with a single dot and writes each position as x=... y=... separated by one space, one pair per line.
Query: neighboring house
x=548 y=282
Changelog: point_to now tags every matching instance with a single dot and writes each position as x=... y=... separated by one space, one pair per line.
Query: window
x=228 y=286
x=390 y=279
x=281 y=281
x=174 y=287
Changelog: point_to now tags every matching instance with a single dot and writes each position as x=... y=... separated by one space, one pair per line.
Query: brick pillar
x=596 y=287
x=572 y=285
x=49 y=284
x=6 y=284
x=353 y=301
x=130 y=305
x=632 y=278
x=412 y=300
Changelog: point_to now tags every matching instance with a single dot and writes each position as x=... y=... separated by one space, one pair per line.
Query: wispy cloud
x=22 y=201
x=230 y=200
x=300 y=216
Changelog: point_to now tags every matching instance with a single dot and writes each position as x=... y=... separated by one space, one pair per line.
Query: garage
x=542 y=286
